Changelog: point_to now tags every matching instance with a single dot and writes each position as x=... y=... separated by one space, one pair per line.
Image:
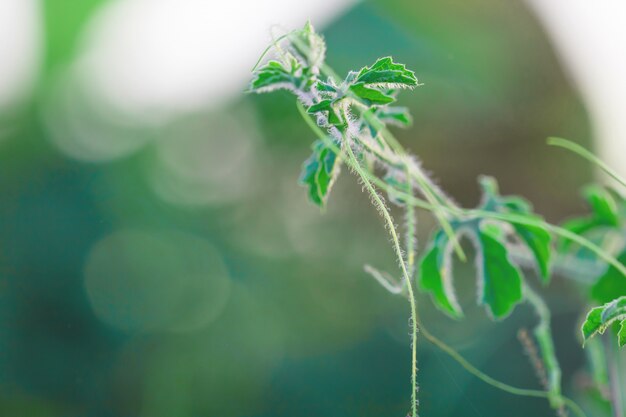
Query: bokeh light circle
x=209 y=159
x=156 y=281
x=20 y=49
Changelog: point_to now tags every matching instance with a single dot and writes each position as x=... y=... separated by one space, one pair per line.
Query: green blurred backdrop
x=177 y=270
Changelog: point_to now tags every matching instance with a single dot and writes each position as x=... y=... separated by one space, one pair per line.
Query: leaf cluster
x=352 y=116
x=499 y=277
x=337 y=105
x=356 y=111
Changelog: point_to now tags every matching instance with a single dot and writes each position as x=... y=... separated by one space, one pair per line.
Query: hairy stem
x=398 y=250
x=438 y=210
x=437 y=199
x=615 y=394
x=543 y=334
x=464 y=213
x=410 y=225
x=390 y=154
x=273 y=45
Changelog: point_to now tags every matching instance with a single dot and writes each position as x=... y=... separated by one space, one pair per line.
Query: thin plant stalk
x=407 y=279
x=615 y=391
x=492 y=381
x=579 y=150
x=543 y=334
x=347 y=142
x=466 y=213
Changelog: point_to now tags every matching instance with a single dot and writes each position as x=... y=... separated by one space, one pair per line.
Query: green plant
x=606 y=225
x=350 y=116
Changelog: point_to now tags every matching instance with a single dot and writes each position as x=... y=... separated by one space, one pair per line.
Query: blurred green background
x=176 y=269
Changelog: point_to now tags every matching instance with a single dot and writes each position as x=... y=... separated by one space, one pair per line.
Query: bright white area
x=151 y=60
x=590 y=37
x=20 y=48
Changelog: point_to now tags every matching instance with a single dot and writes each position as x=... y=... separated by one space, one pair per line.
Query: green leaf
x=538 y=241
x=517 y=204
x=335 y=117
x=376 y=118
x=323 y=105
x=399 y=116
x=611 y=284
x=592 y=323
x=435 y=275
x=579 y=226
x=308 y=177
x=614 y=310
x=371 y=96
x=500 y=281
x=604 y=214
x=310 y=46
x=492 y=200
x=388 y=74
x=319 y=172
x=272 y=76
x=325 y=87
x=601 y=318
x=603 y=205
x=325 y=176
x=536 y=238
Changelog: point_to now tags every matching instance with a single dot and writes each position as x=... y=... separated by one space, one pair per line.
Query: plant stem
x=491 y=381
x=543 y=335
x=463 y=213
x=398 y=250
x=410 y=224
x=393 y=156
x=577 y=149
x=433 y=195
x=369 y=179
x=427 y=190
x=615 y=395
x=515 y=218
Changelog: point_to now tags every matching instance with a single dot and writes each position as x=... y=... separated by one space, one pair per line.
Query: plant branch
x=492 y=381
x=543 y=334
x=579 y=150
x=398 y=250
x=411 y=230
x=461 y=213
x=615 y=394
x=363 y=133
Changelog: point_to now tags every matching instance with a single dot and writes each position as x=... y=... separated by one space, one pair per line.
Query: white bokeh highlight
x=154 y=59
x=156 y=281
x=209 y=159
x=20 y=49
x=590 y=37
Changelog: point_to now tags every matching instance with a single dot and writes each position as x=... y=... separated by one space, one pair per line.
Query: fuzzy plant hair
x=351 y=117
